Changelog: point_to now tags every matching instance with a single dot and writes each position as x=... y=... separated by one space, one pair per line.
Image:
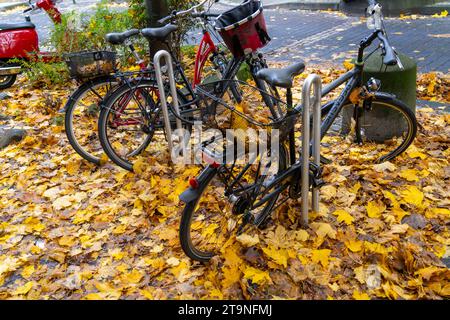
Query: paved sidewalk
x=322 y=36
x=315 y=36
x=331 y=37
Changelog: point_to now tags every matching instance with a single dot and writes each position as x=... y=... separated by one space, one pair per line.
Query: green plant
x=44 y=74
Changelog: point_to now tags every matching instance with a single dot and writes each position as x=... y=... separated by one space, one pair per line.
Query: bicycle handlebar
x=390 y=57
x=28 y=10
x=205 y=15
x=175 y=14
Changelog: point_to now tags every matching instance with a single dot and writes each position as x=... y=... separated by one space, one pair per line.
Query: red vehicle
x=20 y=40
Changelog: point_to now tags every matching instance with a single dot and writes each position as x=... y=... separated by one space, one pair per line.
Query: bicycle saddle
x=281 y=77
x=119 y=38
x=17 y=25
x=159 y=33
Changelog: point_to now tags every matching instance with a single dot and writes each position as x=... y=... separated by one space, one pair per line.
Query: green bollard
x=401 y=83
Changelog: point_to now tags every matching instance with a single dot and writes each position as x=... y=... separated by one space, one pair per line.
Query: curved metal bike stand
x=312 y=82
x=162 y=96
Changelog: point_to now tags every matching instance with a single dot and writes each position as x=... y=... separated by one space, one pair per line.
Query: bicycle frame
x=206 y=47
x=352 y=78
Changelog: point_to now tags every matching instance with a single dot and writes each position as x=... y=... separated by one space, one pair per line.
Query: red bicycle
x=243 y=31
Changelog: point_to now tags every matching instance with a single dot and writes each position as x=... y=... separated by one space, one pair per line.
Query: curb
x=9 y=6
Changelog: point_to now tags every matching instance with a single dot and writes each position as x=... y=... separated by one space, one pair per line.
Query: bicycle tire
x=70 y=108
x=103 y=123
x=187 y=245
x=390 y=102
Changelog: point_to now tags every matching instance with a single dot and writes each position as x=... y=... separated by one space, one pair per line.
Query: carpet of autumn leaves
x=70 y=230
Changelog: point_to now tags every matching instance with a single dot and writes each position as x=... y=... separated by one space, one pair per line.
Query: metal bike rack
x=162 y=95
x=312 y=82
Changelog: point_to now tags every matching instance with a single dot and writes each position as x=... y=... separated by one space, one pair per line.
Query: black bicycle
x=227 y=197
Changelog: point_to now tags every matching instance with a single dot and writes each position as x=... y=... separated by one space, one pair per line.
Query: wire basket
x=89 y=64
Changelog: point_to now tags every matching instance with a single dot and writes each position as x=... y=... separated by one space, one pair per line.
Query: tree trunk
x=156 y=9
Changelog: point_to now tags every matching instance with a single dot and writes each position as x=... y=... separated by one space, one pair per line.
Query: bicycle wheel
x=209 y=220
x=385 y=128
x=128 y=121
x=81 y=116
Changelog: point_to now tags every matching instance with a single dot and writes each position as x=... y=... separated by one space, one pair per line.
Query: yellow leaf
x=385 y=166
x=62 y=202
x=301 y=235
x=73 y=167
x=412 y=195
x=27 y=271
x=247 y=240
x=173 y=262
x=280 y=256
x=409 y=174
x=344 y=216
x=231 y=275
x=92 y=296
x=147 y=294
x=391 y=197
x=348 y=65
x=321 y=256
x=328 y=192
x=66 y=241
x=354 y=245
x=360 y=274
x=24 y=289
x=323 y=229
x=133 y=277
x=376 y=248
x=355 y=188
x=257 y=276
x=428 y=272
x=118 y=255
x=360 y=295
x=375 y=209
x=120 y=229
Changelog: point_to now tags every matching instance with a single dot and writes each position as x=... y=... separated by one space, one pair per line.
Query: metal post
x=313 y=81
x=162 y=95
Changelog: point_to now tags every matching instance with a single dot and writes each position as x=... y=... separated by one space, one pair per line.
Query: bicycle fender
x=203 y=179
x=385 y=95
x=189 y=195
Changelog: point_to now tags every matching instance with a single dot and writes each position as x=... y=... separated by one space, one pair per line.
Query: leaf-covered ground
x=70 y=230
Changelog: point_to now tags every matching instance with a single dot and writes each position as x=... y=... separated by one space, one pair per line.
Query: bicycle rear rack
x=163 y=98
x=312 y=82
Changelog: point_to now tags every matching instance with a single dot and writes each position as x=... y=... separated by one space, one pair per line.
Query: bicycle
x=122 y=148
x=83 y=105
x=226 y=198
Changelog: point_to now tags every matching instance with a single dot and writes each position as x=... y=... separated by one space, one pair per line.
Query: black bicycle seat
x=119 y=38
x=159 y=33
x=281 y=77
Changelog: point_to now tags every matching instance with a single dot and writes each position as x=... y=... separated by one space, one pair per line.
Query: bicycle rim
x=208 y=222
x=386 y=129
x=82 y=111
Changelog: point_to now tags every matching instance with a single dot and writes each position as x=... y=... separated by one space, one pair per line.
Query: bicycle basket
x=243 y=28
x=87 y=64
